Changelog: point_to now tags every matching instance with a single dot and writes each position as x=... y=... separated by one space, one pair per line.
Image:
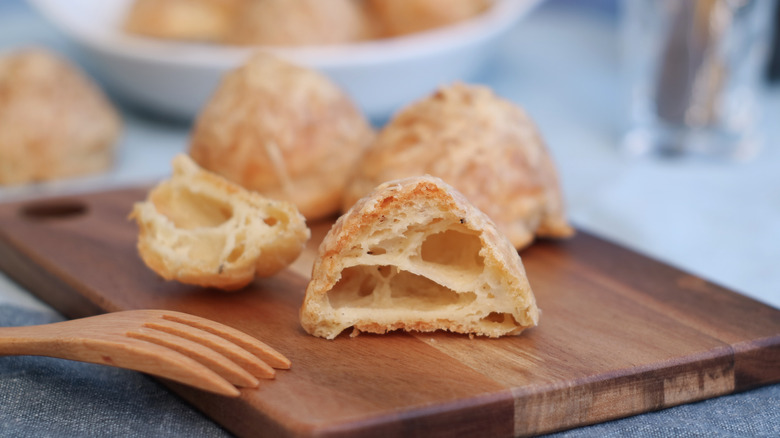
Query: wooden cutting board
x=620 y=334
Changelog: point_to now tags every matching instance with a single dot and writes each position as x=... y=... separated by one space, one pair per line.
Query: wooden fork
x=174 y=345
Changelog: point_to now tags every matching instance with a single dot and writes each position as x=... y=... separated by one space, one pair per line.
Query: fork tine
x=254 y=346
x=202 y=354
x=163 y=362
x=234 y=352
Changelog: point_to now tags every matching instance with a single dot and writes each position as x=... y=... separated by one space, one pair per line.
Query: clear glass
x=693 y=71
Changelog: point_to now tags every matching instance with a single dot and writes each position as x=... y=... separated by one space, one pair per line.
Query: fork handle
x=53 y=340
x=61 y=340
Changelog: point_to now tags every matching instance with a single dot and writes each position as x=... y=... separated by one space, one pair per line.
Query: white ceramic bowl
x=176 y=78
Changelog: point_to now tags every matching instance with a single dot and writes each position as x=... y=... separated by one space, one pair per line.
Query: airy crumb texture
x=197 y=228
x=197 y=20
x=54 y=121
x=484 y=146
x=285 y=131
x=416 y=255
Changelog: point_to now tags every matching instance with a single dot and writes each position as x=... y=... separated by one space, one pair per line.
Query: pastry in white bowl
x=415 y=255
x=194 y=20
x=198 y=228
x=291 y=23
x=402 y=17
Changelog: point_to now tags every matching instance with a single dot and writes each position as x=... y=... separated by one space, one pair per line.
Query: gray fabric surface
x=753 y=413
x=45 y=397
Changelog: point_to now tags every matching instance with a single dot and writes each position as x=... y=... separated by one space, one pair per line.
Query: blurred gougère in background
x=293 y=22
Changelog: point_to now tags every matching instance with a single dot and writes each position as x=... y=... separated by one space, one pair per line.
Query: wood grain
x=620 y=334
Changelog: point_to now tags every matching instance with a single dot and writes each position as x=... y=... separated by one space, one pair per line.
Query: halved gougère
x=198 y=228
x=415 y=255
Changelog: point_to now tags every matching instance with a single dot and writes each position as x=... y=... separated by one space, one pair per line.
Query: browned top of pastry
x=283 y=130
x=484 y=146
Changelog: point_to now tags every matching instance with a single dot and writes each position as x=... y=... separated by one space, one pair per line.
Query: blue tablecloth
x=560 y=64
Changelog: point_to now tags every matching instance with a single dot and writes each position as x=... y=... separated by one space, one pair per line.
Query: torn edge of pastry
x=198 y=228
x=416 y=255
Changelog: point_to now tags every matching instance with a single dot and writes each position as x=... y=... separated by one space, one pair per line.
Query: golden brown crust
x=54 y=121
x=401 y=17
x=293 y=22
x=197 y=228
x=416 y=255
x=484 y=146
x=282 y=130
x=198 y=20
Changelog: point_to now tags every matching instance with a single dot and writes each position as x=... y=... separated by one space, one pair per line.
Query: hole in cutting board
x=61 y=209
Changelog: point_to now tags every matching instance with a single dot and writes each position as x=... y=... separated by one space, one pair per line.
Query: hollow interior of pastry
x=434 y=273
x=205 y=227
x=197 y=219
x=189 y=210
